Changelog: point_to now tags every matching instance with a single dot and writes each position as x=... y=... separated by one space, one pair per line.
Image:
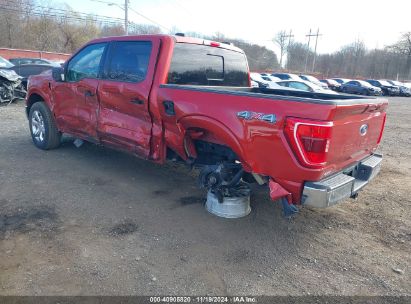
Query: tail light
x=310 y=140
x=382 y=128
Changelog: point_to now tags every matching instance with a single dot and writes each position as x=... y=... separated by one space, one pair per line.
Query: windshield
x=364 y=83
x=397 y=83
x=385 y=83
x=311 y=78
x=5 y=63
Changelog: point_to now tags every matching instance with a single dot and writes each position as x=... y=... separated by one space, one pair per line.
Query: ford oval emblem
x=363 y=129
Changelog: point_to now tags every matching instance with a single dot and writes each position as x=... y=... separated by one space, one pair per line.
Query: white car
x=256 y=77
x=266 y=81
x=314 y=80
x=254 y=84
x=270 y=78
x=305 y=86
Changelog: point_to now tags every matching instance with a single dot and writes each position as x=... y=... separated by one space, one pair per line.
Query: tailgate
x=357 y=130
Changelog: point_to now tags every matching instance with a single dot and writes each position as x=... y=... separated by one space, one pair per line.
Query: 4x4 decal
x=248 y=115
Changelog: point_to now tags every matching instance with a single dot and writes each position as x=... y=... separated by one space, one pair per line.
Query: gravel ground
x=92 y=221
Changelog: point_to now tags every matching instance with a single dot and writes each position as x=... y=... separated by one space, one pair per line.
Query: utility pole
x=315 y=49
x=125 y=8
x=308 y=50
x=290 y=35
x=126 y=16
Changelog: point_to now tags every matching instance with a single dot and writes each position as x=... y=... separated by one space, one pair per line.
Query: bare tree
x=403 y=47
x=280 y=40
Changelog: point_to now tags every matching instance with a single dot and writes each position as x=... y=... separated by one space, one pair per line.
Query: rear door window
x=128 y=61
x=194 y=64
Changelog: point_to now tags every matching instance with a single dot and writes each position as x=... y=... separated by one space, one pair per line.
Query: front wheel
x=43 y=129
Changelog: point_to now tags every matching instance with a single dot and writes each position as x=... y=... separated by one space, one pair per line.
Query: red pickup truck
x=170 y=97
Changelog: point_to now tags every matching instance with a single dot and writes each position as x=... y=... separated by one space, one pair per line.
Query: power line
x=145 y=17
x=43 y=11
x=62 y=16
x=127 y=7
x=57 y=11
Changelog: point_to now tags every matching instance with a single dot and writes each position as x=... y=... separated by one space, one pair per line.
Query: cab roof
x=178 y=39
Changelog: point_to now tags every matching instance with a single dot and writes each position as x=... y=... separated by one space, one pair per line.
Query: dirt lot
x=88 y=220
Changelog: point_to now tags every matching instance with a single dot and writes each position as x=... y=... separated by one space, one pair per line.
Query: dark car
x=387 y=88
x=332 y=84
x=23 y=61
x=360 y=87
x=27 y=69
x=404 y=90
x=286 y=76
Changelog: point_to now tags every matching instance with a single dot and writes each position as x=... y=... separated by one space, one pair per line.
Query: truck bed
x=277 y=94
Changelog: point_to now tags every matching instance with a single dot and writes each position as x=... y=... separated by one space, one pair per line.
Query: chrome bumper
x=347 y=183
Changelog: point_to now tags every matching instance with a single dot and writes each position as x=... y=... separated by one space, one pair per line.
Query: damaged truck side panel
x=188 y=99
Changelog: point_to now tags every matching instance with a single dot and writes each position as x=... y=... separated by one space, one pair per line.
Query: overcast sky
x=377 y=23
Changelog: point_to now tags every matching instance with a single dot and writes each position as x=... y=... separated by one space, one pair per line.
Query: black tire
x=43 y=128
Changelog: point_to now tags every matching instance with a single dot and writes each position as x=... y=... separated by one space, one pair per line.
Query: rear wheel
x=43 y=128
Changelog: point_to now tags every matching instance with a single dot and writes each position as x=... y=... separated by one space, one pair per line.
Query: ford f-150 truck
x=170 y=97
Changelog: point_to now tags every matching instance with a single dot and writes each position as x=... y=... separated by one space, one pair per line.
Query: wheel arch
x=32 y=99
x=214 y=132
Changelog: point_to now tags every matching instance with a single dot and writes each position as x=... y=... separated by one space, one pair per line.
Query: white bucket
x=231 y=207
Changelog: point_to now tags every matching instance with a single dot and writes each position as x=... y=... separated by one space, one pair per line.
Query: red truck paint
x=107 y=117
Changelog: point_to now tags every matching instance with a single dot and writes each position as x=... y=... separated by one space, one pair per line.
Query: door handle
x=88 y=93
x=169 y=107
x=137 y=101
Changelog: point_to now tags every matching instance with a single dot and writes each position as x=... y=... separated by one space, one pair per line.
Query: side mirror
x=58 y=74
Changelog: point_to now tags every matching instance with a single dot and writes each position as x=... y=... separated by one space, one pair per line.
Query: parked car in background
x=21 y=61
x=314 y=80
x=286 y=76
x=270 y=78
x=304 y=86
x=5 y=64
x=341 y=80
x=360 y=87
x=11 y=87
x=404 y=89
x=254 y=84
x=387 y=88
x=257 y=78
x=332 y=84
x=26 y=69
x=268 y=82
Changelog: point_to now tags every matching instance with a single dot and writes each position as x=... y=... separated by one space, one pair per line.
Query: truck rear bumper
x=347 y=183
